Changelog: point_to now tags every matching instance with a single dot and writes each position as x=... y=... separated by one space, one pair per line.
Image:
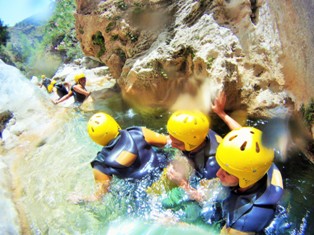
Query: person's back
x=61 y=90
x=129 y=155
x=126 y=153
x=45 y=81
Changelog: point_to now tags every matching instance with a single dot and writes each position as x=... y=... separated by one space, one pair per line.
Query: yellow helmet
x=102 y=128
x=242 y=154
x=43 y=76
x=190 y=127
x=78 y=76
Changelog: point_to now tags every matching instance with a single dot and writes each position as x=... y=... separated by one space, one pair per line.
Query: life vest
x=254 y=209
x=78 y=97
x=204 y=159
x=128 y=156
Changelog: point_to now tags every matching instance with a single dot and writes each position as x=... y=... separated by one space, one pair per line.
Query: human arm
x=154 y=138
x=218 y=108
x=79 y=89
x=102 y=184
x=63 y=98
x=177 y=178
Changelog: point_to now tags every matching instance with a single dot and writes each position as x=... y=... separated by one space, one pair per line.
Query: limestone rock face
x=178 y=54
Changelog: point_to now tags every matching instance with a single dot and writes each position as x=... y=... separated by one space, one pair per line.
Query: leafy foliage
x=99 y=40
x=4 y=37
x=40 y=46
x=308 y=113
x=4 y=34
x=59 y=37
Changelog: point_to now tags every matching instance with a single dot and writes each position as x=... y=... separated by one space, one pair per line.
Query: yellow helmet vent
x=242 y=154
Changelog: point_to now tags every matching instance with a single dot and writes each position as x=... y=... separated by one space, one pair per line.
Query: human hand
x=194 y=194
x=219 y=104
x=175 y=176
x=75 y=198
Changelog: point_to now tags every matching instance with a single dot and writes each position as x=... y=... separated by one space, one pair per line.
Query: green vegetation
x=40 y=47
x=23 y=44
x=138 y=8
x=60 y=35
x=114 y=37
x=307 y=112
x=110 y=26
x=209 y=62
x=121 y=54
x=4 y=37
x=4 y=34
x=122 y=5
x=132 y=37
x=99 y=40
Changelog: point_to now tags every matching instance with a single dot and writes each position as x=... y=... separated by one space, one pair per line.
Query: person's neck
x=242 y=190
x=199 y=147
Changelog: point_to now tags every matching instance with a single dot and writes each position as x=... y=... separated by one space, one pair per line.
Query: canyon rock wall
x=178 y=54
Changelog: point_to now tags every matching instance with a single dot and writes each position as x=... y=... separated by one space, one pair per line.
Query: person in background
x=62 y=88
x=47 y=83
x=78 y=90
x=127 y=153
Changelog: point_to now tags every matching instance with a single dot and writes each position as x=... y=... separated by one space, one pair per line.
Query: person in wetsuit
x=189 y=132
x=247 y=168
x=62 y=89
x=78 y=90
x=47 y=83
x=127 y=153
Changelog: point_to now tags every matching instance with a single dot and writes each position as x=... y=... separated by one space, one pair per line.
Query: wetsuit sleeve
x=154 y=138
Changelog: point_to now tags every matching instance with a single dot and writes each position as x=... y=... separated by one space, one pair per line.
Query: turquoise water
x=49 y=160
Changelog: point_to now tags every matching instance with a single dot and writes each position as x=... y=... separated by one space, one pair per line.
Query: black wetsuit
x=254 y=209
x=204 y=159
x=130 y=144
x=61 y=90
x=78 y=97
x=46 y=82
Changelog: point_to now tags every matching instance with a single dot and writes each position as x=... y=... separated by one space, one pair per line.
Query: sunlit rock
x=163 y=52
